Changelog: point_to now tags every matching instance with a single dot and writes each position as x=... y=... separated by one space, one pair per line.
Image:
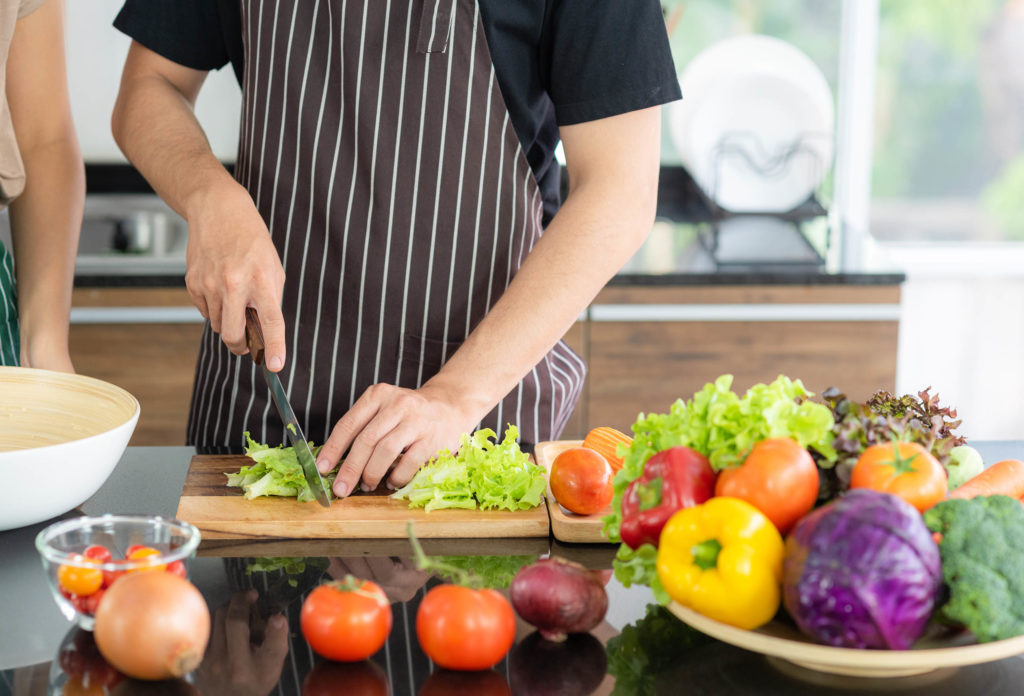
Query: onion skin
x=152 y=626
x=559 y=597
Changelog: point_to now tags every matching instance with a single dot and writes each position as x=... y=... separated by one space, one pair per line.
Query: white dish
x=755 y=126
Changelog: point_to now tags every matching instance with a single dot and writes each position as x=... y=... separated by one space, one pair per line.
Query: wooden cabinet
x=648 y=346
x=154 y=360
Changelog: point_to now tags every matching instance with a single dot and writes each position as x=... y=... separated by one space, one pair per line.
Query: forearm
x=45 y=223
x=599 y=227
x=156 y=128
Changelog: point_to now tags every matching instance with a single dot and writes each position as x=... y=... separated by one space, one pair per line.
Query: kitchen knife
x=254 y=338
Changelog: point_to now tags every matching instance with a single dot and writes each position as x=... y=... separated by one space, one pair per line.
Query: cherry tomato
x=136 y=547
x=778 y=477
x=176 y=568
x=147 y=555
x=90 y=603
x=109 y=576
x=465 y=629
x=904 y=469
x=346 y=620
x=363 y=678
x=100 y=553
x=78 y=579
x=581 y=480
x=445 y=682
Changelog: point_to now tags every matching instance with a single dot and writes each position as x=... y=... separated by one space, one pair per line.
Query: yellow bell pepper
x=723 y=559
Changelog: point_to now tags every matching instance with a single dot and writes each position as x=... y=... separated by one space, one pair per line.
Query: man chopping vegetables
x=394 y=215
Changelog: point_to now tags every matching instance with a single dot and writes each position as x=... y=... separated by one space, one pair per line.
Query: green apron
x=10 y=342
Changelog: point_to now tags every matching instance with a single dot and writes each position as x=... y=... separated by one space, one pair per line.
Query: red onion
x=559 y=597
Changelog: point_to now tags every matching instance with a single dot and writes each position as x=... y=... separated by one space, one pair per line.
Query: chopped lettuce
x=482 y=473
x=723 y=426
x=275 y=471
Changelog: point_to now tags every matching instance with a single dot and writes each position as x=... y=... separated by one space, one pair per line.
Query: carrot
x=1002 y=478
x=606 y=441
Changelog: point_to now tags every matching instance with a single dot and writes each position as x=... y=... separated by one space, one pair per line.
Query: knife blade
x=254 y=338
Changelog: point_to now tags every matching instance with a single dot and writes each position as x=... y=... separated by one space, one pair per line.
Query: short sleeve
x=27 y=7
x=187 y=32
x=608 y=57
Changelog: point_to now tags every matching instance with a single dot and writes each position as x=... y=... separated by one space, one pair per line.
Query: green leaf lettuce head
x=982 y=551
x=275 y=471
x=723 y=426
x=483 y=473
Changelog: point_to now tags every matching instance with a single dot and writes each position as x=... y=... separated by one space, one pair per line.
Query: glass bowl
x=79 y=572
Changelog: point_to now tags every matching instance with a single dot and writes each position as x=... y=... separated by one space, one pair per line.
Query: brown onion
x=152 y=625
x=559 y=597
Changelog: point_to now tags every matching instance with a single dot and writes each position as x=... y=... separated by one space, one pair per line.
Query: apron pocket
x=435 y=26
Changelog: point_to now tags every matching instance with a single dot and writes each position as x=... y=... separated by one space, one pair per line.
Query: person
x=394 y=214
x=42 y=184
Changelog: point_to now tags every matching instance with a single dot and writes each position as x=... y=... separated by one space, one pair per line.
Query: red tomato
x=79 y=580
x=90 y=603
x=465 y=629
x=100 y=553
x=581 y=480
x=904 y=469
x=364 y=678
x=778 y=477
x=346 y=620
x=177 y=568
x=109 y=576
x=444 y=682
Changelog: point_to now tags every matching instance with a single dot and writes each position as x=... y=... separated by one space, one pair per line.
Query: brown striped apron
x=378 y=149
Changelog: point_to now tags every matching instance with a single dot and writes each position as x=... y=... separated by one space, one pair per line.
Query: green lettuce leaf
x=274 y=471
x=483 y=473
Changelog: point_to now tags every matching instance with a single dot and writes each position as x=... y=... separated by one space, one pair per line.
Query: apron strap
x=435 y=26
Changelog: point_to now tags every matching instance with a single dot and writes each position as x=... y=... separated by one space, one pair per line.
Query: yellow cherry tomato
x=80 y=580
x=145 y=553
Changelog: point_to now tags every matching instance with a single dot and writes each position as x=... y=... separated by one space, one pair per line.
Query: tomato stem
x=459 y=575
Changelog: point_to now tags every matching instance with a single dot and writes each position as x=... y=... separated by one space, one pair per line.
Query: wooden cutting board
x=223 y=513
x=568 y=526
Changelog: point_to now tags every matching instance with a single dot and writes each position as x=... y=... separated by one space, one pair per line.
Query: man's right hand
x=233 y=264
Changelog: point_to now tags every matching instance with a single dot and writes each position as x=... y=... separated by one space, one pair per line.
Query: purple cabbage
x=862 y=572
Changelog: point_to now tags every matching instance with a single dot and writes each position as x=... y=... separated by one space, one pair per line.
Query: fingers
x=269 y=656
x=268 y=307
x=415 y=457
x=342 y=435
x=236 y=627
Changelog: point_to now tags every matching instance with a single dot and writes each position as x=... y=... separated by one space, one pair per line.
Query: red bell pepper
x=672 y=479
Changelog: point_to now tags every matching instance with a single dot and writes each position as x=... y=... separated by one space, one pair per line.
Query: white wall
x=962 y=332
x=96 y=53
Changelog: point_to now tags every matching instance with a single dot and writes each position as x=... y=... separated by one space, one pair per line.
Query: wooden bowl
x=60 y=437
x=781 y=640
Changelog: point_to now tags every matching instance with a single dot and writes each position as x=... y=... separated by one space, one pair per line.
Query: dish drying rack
x=682 y=199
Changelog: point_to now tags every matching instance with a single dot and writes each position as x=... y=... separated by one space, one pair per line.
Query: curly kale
x=884 y=417
x=982 y=551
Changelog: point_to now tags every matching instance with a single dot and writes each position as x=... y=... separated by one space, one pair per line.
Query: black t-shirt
x=558 y=62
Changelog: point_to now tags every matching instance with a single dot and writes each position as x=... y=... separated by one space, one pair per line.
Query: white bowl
x=760 y=97
x=60 y=437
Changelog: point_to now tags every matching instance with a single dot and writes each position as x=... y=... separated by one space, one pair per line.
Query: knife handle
x=254 y=335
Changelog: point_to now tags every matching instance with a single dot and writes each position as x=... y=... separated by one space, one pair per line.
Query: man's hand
x=232 y=264
x=233 y=665
x=398 y=577
x=231 y=260
x=389 y=423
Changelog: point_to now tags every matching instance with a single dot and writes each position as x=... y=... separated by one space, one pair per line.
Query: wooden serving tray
x=223 y=513
x=568 y=526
